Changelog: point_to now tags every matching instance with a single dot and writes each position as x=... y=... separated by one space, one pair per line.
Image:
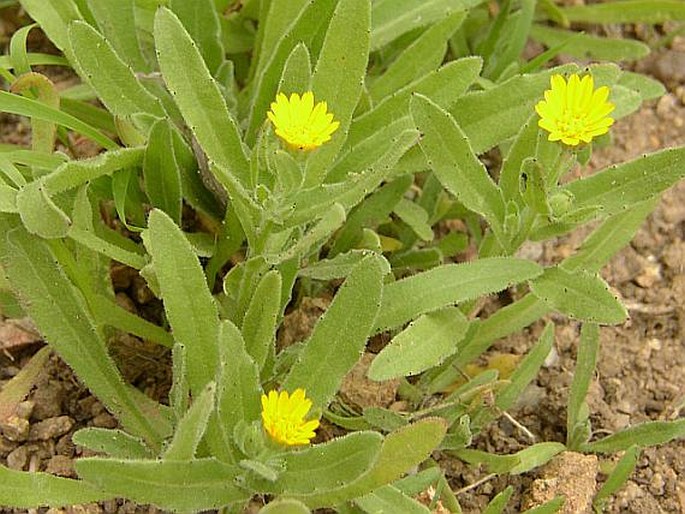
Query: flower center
x=572 y=122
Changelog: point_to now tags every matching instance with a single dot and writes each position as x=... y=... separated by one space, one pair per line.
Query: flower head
x=575 y=111
x=300 y=123
x=283 y=417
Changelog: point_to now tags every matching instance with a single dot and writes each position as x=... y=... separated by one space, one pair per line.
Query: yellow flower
x=575 y=112
x=300 y=123
x=283 y=417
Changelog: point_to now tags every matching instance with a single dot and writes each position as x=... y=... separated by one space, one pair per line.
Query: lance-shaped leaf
x=24 y=490
x=456 y=166
x=324 y=467
x=402 y=450
x=336 y=344
x=109 y=76
x=200 y=100
x=420 y=58
x=238 y=388
x=422 y=345
x=450 y=284
x=113 y=442
x=285 y=506
x=161 y=172
x=629 y=11
x=200 y=19
x=338 y=77
x=189 y=305
x=390 y=499
x=619 y=187
x=174 y=485
x=23 y=106
x=61 y=315
x=38 y=212
x=192 y=426
x=259 y=324
x=443 y=86
x=54 y=17
x=116 y=19
x=645 y=434
x=579 y=295
x=393 y=18
x=577 y=411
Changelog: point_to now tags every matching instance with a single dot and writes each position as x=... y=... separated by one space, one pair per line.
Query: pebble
x=18 y=458
x=25 y=409
x=48 y=400
x=15 y=428
x=105 y=420
x=61 y=465
x=6 y=446
x=666 y=105
x=51 y=428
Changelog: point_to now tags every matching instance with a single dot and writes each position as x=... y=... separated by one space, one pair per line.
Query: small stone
x=61 y=465
x=125 y=302
x=360 y=391
x=89 y=508
x=666 y=105
x=24 y=409
x=105 y=420
x=6 y=446
x=110 y=506
x=51 y=428
x=18 y=458
x=141 y=292
x=65 y=446
x=15 y=428
x=48 y=399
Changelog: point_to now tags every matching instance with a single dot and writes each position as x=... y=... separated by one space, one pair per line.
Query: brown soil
x=640 y=374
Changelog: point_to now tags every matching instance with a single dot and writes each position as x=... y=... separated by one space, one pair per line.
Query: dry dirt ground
x=640 y=375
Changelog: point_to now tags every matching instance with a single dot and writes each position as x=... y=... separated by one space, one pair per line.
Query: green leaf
x=171 y=485
x=189 y=305
x=607 y=239
x=285 y=506
x=401 y=450
x=617 y=188
x=526 y=371
x=390 y=499
x=22 y=106
x=335 y=345
x=112 y=79
x=499 y=502
x=341 y=265
x=416 y=217
x=54 y=17
x=618 y=477
x=550 y=507
x=423 y=56
x=60 y=313
x=393 y=18
x=586 y=362
x=647 y=87
x=191 y=427
x=28 y=490
x=325 y=467
x=161 y=172
x=259 y=325
x=339 y=76
x=39 y=213
x=239 y=390
x=579 y=295
x=199 y=100
x=115 y=443
x=452 y=159
x=645 y=434
x=449 y=284
x=423 y=344
x=116 y=19
x=297 y=72
x=443 y=86
x=521 y=462
x=586 y=46
x=200 y=19
x=18 y=54
x=627 y=11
